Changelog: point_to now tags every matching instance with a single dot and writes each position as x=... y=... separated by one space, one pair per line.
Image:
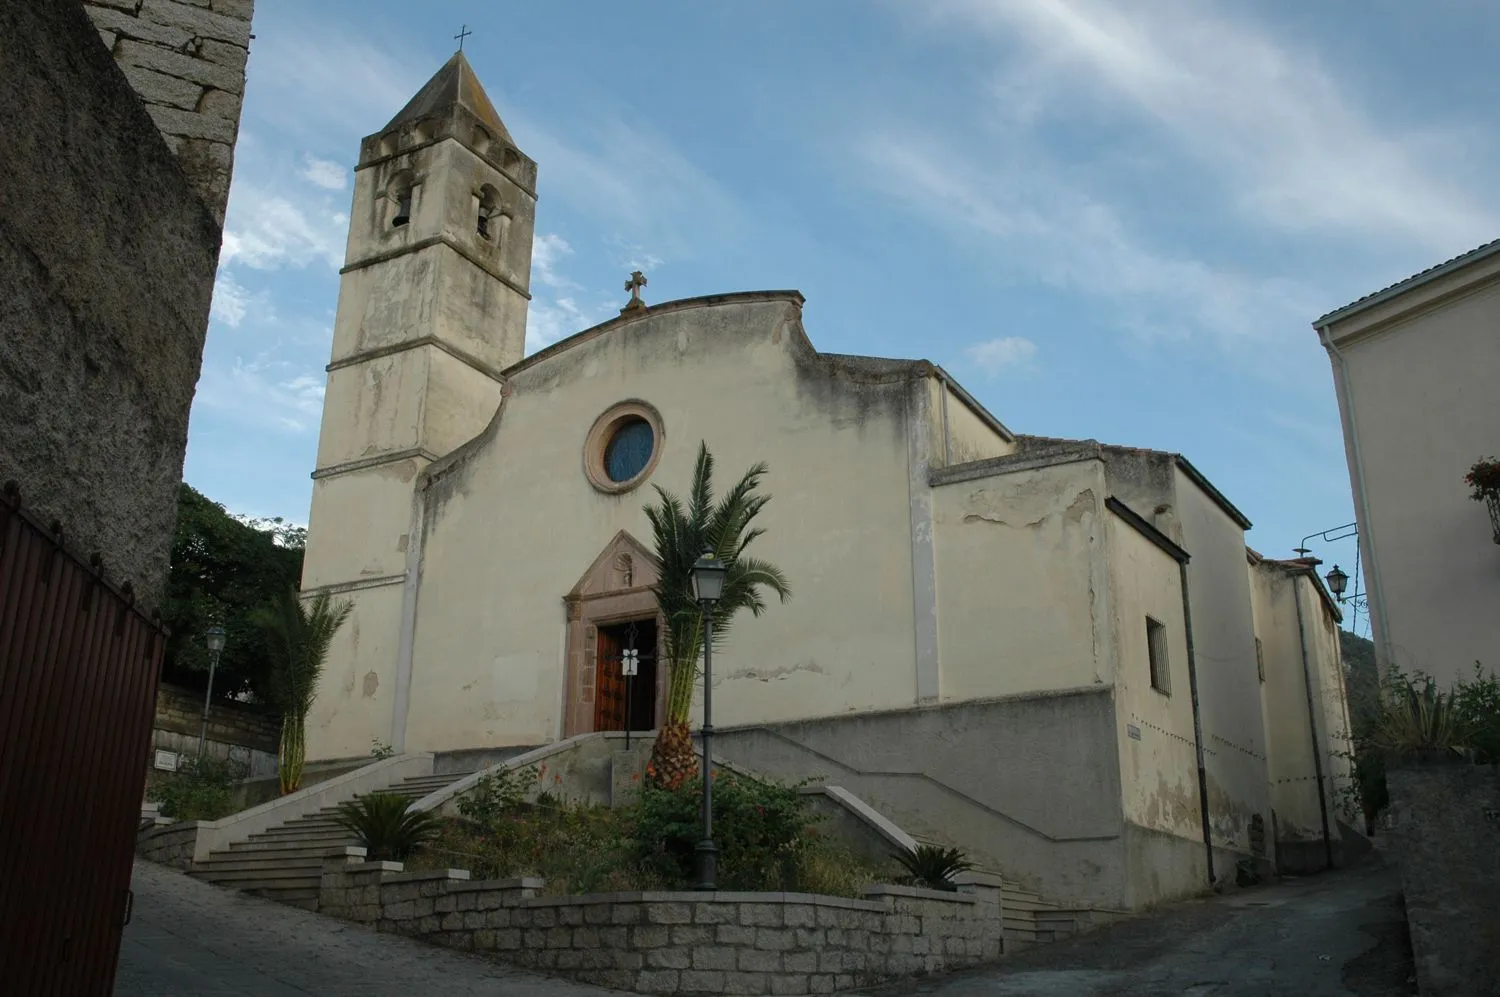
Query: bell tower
x=432 y=307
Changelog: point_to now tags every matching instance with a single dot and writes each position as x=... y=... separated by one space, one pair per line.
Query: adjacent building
x=1416 y=368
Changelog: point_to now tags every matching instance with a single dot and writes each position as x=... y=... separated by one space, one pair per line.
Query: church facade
x=1042 y=650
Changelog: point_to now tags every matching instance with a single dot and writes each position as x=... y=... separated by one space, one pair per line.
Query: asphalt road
x=1340 y=934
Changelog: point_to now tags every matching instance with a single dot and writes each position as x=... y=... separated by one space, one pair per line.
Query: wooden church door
x=609 y=684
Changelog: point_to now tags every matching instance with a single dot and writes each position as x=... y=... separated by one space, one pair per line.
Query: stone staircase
x=284 y=863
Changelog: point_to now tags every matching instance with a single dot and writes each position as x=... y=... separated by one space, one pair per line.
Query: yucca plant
x=384 y=825
x=683 y=531
x=933 y=866
x=298 y=636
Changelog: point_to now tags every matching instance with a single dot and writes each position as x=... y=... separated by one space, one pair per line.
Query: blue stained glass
x=629 y=450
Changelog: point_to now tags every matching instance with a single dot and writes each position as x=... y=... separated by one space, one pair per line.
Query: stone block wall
x=107 y=256
x=186 y=60
x=1445 y=836
x=168 y=844
x=181 y=711
x=675 y=943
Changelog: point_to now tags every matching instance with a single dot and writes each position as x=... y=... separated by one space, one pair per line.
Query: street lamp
x=214 y=638
x=1337 y=582
x=708 y=586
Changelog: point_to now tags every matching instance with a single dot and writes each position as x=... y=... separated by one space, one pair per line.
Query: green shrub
x=1416 y=718
x=384 y=825
x=933 y=867
x=760 y=828
x=496 y=795
x=1476 y=708
x=203 y=789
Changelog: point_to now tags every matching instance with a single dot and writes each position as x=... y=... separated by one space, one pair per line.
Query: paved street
x=189 y=938
x=1339 y=935
x=1336 y=935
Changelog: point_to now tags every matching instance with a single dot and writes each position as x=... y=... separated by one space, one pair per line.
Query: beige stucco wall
x=969 y=436
x=1020 y=609
x=1228 y=682
x=1420 y=387
x=513 y=523
x=1159 y=767
x=1289 y=735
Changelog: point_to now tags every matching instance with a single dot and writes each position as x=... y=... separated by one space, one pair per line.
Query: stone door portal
x=613 y=596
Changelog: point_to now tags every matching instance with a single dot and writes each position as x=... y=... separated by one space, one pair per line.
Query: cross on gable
x=633 y=285
x=463 y=32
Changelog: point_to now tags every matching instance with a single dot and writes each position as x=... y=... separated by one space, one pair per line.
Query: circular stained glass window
x=629 y=450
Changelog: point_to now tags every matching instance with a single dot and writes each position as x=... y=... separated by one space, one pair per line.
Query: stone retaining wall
x=168 y=844
x=675 y=943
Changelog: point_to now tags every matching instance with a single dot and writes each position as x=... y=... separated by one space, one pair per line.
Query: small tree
x=682 y=533
x=298 y=636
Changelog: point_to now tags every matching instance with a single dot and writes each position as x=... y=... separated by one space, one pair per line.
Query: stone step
x=256 y=849
x=304 y=897
x=263 y=879
x=301 y=864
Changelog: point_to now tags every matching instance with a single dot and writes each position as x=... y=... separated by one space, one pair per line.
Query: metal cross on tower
x=463 y=32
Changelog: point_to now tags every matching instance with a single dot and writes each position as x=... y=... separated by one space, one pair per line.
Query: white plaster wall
x=1423 y=396
x=515 y=524
x=355 y=693
x=358 y=526
x=1020 y=608
x=1331 y=698
x=969 y=436
x=1159 y=769
x=378 y=405
x=1224 y=650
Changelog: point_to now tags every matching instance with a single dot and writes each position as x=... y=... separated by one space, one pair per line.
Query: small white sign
x=166 y=760
x=630 y=662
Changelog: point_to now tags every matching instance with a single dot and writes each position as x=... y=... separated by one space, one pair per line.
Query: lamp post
x=1338 y=580
x=708 y=586
x=214 y=638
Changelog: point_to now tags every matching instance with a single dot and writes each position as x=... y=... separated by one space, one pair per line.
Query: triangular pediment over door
x=615 y=588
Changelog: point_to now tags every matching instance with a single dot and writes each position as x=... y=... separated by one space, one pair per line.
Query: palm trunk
x=291 y=755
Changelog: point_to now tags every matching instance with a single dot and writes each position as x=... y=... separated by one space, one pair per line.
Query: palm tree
x=298 y=636
x=682 y=533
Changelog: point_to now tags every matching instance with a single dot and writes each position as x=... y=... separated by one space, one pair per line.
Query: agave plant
x=1416 y=719
x=933 y=866
x=683 y=531
x=385 y=827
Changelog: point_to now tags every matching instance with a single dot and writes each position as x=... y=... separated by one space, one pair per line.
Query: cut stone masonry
x=186 y=60
x=675 y=943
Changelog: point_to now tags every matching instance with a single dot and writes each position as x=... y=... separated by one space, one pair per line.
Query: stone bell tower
x=432 y=307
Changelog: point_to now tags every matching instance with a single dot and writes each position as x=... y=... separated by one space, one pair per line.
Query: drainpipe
x=1312 y=721
x=1373 y=584
x=1187 y=626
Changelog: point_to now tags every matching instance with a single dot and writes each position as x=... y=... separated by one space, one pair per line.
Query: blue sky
x=1107 y=220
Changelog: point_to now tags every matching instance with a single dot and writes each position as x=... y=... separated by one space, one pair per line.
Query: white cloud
x=1290 y=142
x=264 y=394
x=266 y=229
x=997 y=356
x=325 y=173
x=546 y=251
x=230 y=302
x=1035 y=223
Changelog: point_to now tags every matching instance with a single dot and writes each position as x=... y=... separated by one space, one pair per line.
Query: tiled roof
x=1401 y=286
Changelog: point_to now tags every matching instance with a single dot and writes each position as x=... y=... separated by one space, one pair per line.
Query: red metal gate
x=78 y=673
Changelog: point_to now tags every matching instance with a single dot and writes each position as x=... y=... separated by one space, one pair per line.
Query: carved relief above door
x=613 y=592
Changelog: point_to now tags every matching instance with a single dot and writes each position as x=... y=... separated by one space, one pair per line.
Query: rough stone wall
x=1445 y=826
x=107 y=257
x=186 y=59
x=675 y=943
x=181 y=711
